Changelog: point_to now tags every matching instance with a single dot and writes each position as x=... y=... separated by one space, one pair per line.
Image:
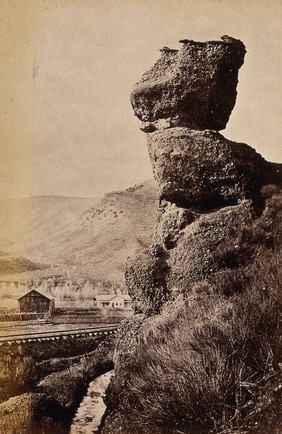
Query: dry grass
x=208 y=364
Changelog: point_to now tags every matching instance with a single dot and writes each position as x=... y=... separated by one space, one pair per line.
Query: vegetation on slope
x=211 y=362
x=22 y=366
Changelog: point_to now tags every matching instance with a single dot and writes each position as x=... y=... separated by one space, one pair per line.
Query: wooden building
x=113 y=301
x=34 y=301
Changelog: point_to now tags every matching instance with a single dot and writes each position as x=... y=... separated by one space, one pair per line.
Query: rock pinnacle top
x=194 y=87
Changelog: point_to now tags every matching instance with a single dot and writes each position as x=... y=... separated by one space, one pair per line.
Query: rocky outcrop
x=194 y=87
x=212 y=214
x=184 y=256
x=208 y=187
x=202 y=169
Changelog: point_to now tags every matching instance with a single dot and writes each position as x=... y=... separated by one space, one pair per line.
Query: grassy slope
x=211 y=362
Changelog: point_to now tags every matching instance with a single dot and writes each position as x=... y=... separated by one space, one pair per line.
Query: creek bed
x=90 y=412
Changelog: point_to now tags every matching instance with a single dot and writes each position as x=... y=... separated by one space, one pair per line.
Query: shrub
x=16 y=374
x=65 y=387
x=206 y=364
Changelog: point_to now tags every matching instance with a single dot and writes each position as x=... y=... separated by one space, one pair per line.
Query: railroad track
x=56 y=335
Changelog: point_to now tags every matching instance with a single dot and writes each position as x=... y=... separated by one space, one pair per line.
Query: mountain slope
x=89 y=235
x=13 y=265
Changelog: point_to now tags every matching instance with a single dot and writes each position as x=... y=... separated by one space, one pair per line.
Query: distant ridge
x=93 y=236
x=14 y=264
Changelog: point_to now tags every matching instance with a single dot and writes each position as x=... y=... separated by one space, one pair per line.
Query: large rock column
x=208 y=186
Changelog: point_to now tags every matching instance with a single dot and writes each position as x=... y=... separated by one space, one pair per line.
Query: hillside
x=90 y=236
x=10 y=264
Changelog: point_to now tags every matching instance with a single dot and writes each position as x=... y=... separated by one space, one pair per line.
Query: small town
x=38 y=303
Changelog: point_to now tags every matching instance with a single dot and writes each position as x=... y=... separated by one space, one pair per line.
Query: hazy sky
x=67 y=70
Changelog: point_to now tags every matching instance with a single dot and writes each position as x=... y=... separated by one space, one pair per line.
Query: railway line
x=56 y=335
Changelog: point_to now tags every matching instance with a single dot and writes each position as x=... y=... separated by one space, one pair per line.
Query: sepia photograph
x=140 y=217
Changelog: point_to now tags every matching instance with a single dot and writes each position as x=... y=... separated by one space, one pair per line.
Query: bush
x=65 y=387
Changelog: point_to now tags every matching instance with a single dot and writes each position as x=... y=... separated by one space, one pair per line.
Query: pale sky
x=67 y=70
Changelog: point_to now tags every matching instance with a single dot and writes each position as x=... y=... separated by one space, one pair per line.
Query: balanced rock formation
x=194 y=87
x=208 y=187
x=214 y=213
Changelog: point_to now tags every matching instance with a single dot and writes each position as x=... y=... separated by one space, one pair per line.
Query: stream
x=90 y=412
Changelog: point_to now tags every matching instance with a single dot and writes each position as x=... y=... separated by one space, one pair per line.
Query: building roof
x=109 y=297
x=37 y=294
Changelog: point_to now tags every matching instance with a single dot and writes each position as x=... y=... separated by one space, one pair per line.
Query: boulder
x=193 y=87
x=202 y=169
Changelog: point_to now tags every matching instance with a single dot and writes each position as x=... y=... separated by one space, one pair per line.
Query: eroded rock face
x=195 y=255
x=159 y=274
x=194 y=87
x=145 y=276
x=171 y=220
x=202 y=169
